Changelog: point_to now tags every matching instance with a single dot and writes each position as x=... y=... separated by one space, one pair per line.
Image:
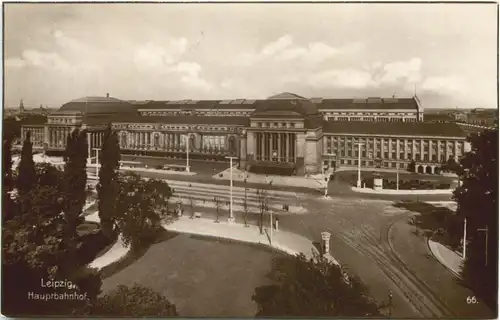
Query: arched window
x=156 y=140
x=191 y=142
x=232 y=144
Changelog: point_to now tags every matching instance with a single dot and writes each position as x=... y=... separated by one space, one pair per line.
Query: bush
x=92 y=244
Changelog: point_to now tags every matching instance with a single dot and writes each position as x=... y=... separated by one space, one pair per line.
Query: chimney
x=107 y=95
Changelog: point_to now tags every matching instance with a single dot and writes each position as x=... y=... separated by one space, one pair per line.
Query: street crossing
x=202 y=195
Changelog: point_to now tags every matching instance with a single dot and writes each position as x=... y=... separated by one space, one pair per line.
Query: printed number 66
x=471 y=300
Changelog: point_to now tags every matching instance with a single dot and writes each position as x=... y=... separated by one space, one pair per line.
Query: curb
x=440 y=259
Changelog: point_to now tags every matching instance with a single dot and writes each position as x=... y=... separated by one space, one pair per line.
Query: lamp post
x=231 y=217
x=397 y=175
x=358 y=184
x=97 y=161
x=89 y=148
x=465 y=239
x=187 y=153
x=485 y=230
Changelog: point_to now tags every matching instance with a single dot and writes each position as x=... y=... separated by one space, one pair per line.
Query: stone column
x=413 y=149
x=398 y=151
x=279 y=147
x=287 y=146
x=439 y=151
x=389 y=151
x=325 y=243
x=262 y=146
x=422 y=150
x=455 y=150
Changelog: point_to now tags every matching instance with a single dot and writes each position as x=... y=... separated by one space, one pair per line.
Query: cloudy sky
x=58 y=52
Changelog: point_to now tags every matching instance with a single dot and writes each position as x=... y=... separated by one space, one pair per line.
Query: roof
x=394 y=128
x=368 y=103
x=98 y=105
x=268 y=107
x=199 y=104
x=241 y=121
x=286 y=95
x=33 y=119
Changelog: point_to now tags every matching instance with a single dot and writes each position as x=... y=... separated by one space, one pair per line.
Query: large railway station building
x=284 y=134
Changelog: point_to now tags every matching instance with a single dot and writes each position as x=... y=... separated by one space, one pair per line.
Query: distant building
x=284 y=134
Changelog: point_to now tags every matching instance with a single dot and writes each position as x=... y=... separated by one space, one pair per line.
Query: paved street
x=373 y=240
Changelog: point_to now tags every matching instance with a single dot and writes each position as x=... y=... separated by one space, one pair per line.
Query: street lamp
x=231 y=217
x=485 y=230
x=97 y=161
x=358 y=184
x=187 y=153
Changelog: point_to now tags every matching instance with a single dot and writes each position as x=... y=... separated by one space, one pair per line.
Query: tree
x=108 y=186
x=140 y=209
x=75 y=180
x=312 y=288
x=218 y=207
x=412 y=167
x=477 y=201
x=35 y=249
x=7 y=162
x=136 y=301
x=26 y=168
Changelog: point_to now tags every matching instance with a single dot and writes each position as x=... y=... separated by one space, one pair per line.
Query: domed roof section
x=286 y=96
x=98 y=105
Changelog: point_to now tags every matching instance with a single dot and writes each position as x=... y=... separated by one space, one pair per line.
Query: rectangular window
x=386 y=155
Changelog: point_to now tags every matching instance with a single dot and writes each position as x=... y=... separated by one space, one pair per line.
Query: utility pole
x=397 y=176
x=97 y=161
x=390 y=303
x=358 y=184
x=465 y=239
x=187 y=153
x=231 y=217
x=485 y=245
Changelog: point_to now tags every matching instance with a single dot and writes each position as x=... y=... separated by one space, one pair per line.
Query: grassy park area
x=202 y=277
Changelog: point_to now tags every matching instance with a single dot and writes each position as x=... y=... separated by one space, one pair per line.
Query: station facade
x=284 y=134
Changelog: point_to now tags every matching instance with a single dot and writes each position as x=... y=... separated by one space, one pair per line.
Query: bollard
x=325 y=242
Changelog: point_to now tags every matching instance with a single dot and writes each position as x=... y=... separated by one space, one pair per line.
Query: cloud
x=342 y=78
x=448 y=84
x=277 y=46
x=407 y=71
x=152 y=56
x=15 y=63
x=285 y=50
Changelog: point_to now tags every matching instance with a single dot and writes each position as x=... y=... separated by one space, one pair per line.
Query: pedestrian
x=276 y=224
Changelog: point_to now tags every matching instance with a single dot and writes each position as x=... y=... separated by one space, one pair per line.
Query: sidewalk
x=287 y=242
x=287 y=181
x=448 y=258
x=403 y=192
x=115 y=253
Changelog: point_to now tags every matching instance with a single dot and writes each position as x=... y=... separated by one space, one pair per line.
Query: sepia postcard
x=250 y=159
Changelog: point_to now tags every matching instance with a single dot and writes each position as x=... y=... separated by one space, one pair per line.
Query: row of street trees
x=41 y=214
x=477 y=201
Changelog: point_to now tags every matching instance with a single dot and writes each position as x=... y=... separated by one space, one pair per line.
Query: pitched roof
x=394 y=128
x=242 y=121
x=199 y=104
x=368 y=103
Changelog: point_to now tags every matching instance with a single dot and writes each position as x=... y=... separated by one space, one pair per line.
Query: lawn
x=202 y=277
